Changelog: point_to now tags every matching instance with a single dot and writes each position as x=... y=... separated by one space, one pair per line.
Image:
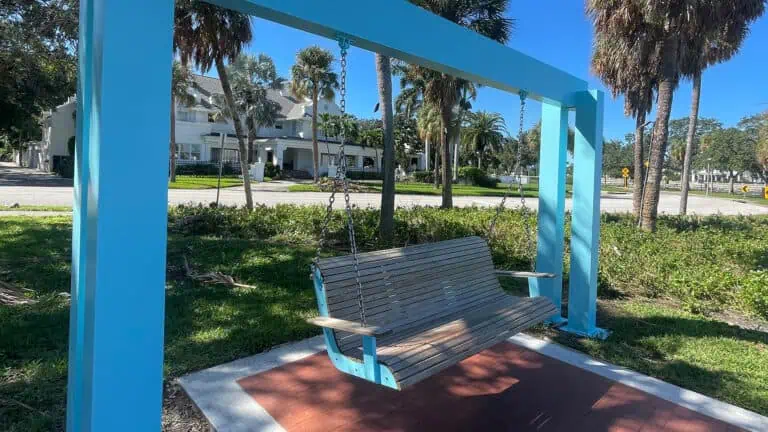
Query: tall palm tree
x=209 y=35
x=626 y=68
x=483 y=133
x=252 y=77
x=485 y=17
x=387 y=215
x=181 y=81
x=312 y=77
x=669 y=28
x=701 y=52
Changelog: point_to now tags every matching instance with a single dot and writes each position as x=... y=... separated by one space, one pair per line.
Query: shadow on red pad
x=505 y=388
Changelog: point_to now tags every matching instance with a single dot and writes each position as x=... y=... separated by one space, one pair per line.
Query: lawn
x=753 y=199
x=428 y=189
x=271 y=249
x=36 y=208
x=203 y=182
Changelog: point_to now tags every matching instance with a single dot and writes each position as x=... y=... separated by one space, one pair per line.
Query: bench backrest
x=412 y=284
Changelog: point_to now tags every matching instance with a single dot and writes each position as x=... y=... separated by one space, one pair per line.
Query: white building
x=287 y=144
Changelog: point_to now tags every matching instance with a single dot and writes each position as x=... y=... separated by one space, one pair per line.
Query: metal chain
x=519 y=169
x=341 y=179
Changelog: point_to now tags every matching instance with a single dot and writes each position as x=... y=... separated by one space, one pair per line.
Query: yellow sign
x=625 y=172
x=745 y=188
x=765 y=192
x=647 y=163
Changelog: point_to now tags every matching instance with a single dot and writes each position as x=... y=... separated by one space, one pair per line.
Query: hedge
x=706 y=264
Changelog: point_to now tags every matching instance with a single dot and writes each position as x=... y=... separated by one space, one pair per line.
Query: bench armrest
x=524 y=274
x=349 y=326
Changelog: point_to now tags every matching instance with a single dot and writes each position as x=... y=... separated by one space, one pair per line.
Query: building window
x=189 y=152
x=184 y=115
x=270 y=155
x=367 y=162
x=351 y=161
x=278 y=125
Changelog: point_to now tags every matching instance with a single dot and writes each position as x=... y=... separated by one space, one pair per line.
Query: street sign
x=647 y=163
x=625 y=172
x=745 y=188
x=765 y=192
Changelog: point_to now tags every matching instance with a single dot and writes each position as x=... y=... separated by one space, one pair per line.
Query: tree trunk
x=426 y=155
x=172 y=153
x=660 y=133
x=222 y=70
x=384 y=79
x=639 y=177
x=447 y=174
x=251 y=158
x=436 y=151
x=731 y=177
x=315 y=149
x=692 y=120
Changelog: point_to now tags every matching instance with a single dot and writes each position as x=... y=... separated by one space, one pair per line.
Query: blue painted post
x=551 y=226
x=371 y=360
x=585 y=222
x=119 y=220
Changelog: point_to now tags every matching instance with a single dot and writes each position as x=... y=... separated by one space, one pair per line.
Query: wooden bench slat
x=329 y=263
x=366 y=262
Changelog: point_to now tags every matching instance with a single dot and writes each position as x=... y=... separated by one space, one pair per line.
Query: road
x=52 y=192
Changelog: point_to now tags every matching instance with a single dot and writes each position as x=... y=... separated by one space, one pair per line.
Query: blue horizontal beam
x=399 y=29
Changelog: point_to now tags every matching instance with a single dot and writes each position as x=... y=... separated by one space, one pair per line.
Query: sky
x=558 y=33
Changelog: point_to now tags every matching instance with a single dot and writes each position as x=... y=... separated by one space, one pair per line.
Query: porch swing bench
x=427 y=307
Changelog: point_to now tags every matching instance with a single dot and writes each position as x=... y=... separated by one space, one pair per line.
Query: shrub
x=424 y=176
x=271 y=170
x=65 y=167
x=364 y=175
x=208 y=169
x=754 y=293
x=477 y=177
x=703 y=264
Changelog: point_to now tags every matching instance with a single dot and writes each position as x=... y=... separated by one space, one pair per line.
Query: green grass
x=36 y=208
x=203 y=182
x=271 y=250
x=428 y=189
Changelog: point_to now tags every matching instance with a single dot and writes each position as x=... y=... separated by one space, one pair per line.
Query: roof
x=290 y=108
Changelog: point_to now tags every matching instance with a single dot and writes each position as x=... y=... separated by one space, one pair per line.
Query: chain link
x=341 y=179
x=519 y=172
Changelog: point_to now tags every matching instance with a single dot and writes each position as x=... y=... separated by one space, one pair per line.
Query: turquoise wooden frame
x=116 y=322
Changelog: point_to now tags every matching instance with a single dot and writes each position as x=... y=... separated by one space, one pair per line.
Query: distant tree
x=756 y=128
x=616 y=156
x=483 y=133
x=728 y=150
x=312 y=77
x=678 y=138
x=406 y=139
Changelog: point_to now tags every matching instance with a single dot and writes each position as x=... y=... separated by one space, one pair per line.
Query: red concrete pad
x=505 y=388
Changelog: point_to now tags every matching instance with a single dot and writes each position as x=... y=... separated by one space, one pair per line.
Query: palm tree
x=666 y=29
x=208 y=35
x=483 y=133
x=701 y=52
x=624 y=67
x=444 y=91
x=252 y=77
x=181 y=81
x=387 y=215
x=327 y=123
x=313 y=78
x=429 y=123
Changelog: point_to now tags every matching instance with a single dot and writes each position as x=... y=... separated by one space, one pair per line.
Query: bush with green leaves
x=477 y=177
x=364 y=175
x=271 y=170
x=65 y=167
x=704 y=264
x=208 y=169
x=424 y=177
